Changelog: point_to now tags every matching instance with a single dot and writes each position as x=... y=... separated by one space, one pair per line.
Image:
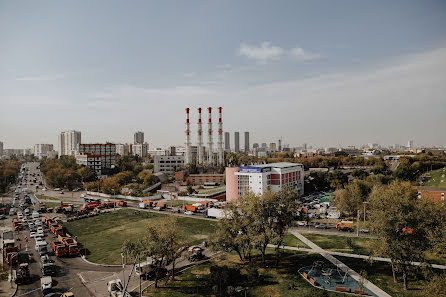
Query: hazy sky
x=320 y=72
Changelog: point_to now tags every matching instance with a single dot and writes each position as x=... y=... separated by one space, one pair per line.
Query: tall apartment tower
x=69 y=142
x=246 y=142
x=236 y=142
x=138 y=137
x=1 y=148
x=227 y=142
x=280 y=145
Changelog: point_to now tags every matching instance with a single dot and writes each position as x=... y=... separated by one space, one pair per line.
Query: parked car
x=188 y=212
x=57 y=189
x=321 y=226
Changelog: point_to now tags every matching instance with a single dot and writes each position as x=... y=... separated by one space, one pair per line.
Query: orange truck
x=161 y=205
x=345 y=226
x=122 y=203
x=148 y=203
x=110 y=204
x=190 y=208
x=60 y=250
x=70 y=243
x=18 y=225
x=10 y=251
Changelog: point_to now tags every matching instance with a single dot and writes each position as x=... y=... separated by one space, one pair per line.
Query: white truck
x=142 y=205
x=46 y=284
x=214 y=213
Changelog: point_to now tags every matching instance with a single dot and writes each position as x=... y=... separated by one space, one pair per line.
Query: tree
x=87 y=174
x=436 y=286
x=350 y=199
x=162 y=243
x=109 y=185
x=402 y=222
x=147 y=178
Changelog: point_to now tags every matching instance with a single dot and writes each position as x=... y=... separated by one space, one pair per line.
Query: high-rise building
x=123 y=149
x=1 y=148
x=246 y=142
x=138 y=137
x=236 y=142
x=98 y=156
x=42 y=150
x=140 y=149
x=255 y=146
x=410 y=144
x=280 y=145
x=69 y=142
x=227 y=142
x=272 y=147
x=264 y=146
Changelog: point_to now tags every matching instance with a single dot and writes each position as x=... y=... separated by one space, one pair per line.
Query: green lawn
x=45 y=197
x=56 y=204
x=436 y=176
x=103 y=235
x=363 y=246
x=291 y=240
x=380 y=274
x=272 y=281
x=179 y=203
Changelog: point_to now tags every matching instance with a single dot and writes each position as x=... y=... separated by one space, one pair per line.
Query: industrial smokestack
x=188 y=157
x=200 y=149
x=210 y=139
x=220 y=138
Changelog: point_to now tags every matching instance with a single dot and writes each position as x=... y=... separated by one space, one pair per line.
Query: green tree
x=87 y=174
x=436 y=286
x=350 y=199
x=109 y=185
x=402 y=222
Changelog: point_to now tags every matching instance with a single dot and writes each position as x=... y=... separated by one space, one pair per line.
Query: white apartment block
x=42 y=150
x=140 y=149
x=258 y=178
x=123 y=149
x=167 y=164
x=100 y=157
x=158 y=152
x=69 y=143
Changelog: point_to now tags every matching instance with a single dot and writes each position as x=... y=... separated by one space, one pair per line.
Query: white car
x=20 y=215
x=44 y=189
x=40 y=233
x=32 y=234
x=188 y=212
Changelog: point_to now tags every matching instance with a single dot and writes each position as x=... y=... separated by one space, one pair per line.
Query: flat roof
x=278 y=165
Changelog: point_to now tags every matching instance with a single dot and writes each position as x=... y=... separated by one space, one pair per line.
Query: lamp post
x=365 y=203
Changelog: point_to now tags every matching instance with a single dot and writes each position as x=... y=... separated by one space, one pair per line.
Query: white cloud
x=303 y=55
x=266 y=51
x=40 y=77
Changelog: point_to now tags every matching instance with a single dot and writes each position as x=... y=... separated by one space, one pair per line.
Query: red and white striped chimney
x=210 y=138
x=200 y=149
x=188 y=157
x=220 y=138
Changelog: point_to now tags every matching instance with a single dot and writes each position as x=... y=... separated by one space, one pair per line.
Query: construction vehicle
x=190 y=208
x=195 y=253
x=18 y=225
x=70 y=243
x=59 y=249
x=23 y=275
x=122 y=203
x=345 y=226
x=10 y=252
x=109 y=204
x=214 y=213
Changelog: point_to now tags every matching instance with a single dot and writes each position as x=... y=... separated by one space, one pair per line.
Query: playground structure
x=333 y=279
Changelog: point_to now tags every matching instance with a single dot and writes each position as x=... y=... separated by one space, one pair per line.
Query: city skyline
x=328 y=80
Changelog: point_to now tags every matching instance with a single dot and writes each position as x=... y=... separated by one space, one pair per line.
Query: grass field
x=436 y=178
x=45 y=197
x=272 y=281
x=363 y=246
x=103 y=235
x=291 y=240
x=380 y=274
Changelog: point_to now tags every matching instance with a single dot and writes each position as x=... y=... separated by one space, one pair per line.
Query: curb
x=97 y=264
x=15 y=292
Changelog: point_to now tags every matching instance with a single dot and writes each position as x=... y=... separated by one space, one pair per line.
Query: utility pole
x=139 y=264
x=357 y=230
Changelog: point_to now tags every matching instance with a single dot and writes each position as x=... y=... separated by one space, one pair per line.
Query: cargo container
x=190 y=208
x=214 y=213
x=345 y=226
x=142 y=205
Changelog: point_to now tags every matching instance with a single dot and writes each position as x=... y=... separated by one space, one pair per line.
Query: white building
x=100 y=157
x=140 y=149
x=42 y=150
x=69 y=142
x=258 y=178
x=123 y=149
x=167 y=164
x=158 y=152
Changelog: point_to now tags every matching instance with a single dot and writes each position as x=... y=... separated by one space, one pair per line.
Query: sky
x=325 y=73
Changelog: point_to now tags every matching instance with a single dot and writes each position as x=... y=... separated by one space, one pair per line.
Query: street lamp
x=365 y=203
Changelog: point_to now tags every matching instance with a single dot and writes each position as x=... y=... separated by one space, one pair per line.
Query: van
x=12 y=212
x=27 y=212
x=35 y=215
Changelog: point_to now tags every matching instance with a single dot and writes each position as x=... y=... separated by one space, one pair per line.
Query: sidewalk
x=6 y=290
x=342 y=266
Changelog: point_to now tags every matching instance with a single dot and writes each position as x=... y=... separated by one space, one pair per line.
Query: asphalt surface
x=66 y=278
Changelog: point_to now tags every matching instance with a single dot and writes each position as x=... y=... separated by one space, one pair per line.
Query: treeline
x=9 y=170
x=66 y=173
x=129 y=173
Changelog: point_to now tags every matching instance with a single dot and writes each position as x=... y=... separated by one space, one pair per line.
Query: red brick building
x=435 y=194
